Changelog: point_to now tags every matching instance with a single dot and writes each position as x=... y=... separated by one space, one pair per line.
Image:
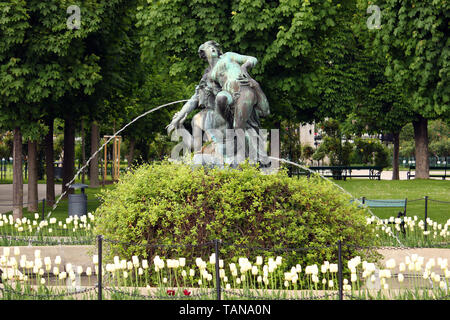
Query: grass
x=401 y=189
x=62 y=210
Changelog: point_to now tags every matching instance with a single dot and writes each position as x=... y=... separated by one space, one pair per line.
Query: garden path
x=6 y=195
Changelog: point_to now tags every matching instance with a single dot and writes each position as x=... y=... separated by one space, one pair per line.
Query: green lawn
x=62 y=211
x=401 y=189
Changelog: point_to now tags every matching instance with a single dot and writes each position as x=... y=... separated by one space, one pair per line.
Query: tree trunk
x=32 y=177
x=69 y=153
x=130 y=155
x=17 y=175
x=49 y=163
x=395 y=164
x=93 y=165
x=421 y=141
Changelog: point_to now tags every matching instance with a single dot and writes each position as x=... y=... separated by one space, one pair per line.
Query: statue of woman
x=241 y=101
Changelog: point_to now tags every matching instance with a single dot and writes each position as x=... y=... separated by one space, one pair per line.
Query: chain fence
x=105 y=287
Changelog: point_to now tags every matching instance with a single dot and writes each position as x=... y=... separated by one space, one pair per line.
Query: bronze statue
x=229 y=97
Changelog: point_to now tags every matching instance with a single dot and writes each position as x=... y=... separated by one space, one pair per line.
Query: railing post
x=43 y=209
x=216 y=248
x=426 y=211
x=99 y=273
x=340 y=279
x=363 y=199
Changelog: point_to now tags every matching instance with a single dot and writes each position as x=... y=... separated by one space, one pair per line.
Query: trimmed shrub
x=175 y=204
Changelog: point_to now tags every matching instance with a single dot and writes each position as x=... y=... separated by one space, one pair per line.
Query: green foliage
x=294 y=42
x=332 y=146
x=371 y=152
x=174 y=204
x=6 y=145
x=413 y=40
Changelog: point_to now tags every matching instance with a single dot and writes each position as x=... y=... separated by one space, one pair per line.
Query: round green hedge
x=174 y=204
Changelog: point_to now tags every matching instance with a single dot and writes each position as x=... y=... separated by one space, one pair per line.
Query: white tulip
x=191 y=272
x=315 y=278
x=259 y=260
x=182 y=262
x=47 y=261
x=437 y=278
x=68 y=267
x=88 y=271
x=400 y=277
x=407 y=260
x=125 y=274
x=94 y=259
x=43 y=281
x=135 y=261
x=298 y=268
x=447 y=273
x=79 y=269
x=333 y=267
x=141 y=271
x=417 y=266
x=16 y=251
x=353 y=277
x=401 y=267
x=278 y=260
x=129 y=265
x=254 y=270
x=145 y=264
x=390 y=264
x=212 y=258
x=6 y=251
x=331 y=284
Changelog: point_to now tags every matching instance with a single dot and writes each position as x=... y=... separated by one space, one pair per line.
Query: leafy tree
x=46 y=68
x=294 y=42
x=413 y=39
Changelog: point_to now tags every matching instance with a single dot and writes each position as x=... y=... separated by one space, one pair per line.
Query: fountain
x=231 y=104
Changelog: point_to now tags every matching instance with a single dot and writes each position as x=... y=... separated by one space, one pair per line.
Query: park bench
x=388 y=203
x=444 y=168
x=344 y=172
